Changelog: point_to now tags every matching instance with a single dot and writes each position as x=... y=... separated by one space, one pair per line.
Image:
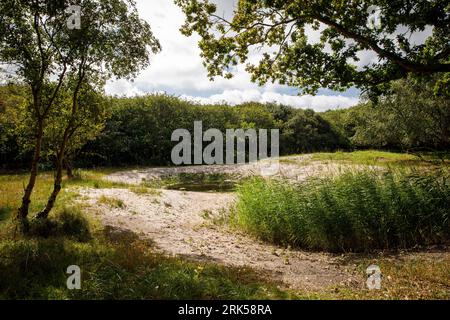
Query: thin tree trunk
x=56 y=188
x=68 y=132
x=22 y=212
x=58 y=174
x=68 y=166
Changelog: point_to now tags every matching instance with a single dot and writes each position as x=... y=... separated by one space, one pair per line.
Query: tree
x=278 y=29
x=410 y=117
x=89 y=122
x=69 y=128
x=307 y=131
x=13 y=102
x=50 y=56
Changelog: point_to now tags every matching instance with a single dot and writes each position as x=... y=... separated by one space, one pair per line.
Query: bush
x=139 y=129
x=353 y=212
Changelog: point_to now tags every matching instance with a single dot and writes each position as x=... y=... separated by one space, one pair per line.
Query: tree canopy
x=57 y=61
x=283 y=32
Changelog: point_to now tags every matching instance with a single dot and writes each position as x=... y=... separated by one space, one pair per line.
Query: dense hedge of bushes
x=357 y=211
x=138 y=130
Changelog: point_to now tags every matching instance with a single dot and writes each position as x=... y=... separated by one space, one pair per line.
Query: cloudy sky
x=178 y=69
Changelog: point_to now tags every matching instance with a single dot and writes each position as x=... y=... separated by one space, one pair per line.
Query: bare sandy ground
x=295 y=168
x=183 y=223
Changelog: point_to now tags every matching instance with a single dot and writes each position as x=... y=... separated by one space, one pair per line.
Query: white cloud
x=317 y=103
x=178 y=69
x=122 y=88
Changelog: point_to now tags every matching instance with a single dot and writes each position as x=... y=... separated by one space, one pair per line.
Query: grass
x=117 y=265
x=380 y=158
x=111 y=202
x=11 y=188
x=5 y=213
x=409 y=276
x=35 y=269
x=356 y=211
x=94 y=179
x=142 y=190
x=412 y=277
x=68 y=222
x=113 y=266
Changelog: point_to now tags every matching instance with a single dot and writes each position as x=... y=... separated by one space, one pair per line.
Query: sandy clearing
x=297 y=168
x=180 y=223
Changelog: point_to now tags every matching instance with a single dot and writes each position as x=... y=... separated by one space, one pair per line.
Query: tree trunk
x=22 y=212
x=68 y=167
x=56 y=189
x=61 y=154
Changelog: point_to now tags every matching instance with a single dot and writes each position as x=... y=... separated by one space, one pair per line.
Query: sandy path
x=182 y=223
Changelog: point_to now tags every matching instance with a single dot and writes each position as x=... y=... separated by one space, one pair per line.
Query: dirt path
x=184 y=223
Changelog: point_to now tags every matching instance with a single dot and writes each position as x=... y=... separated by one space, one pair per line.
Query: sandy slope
x=182 y=223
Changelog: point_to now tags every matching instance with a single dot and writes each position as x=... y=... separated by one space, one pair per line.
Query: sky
x=178 y=69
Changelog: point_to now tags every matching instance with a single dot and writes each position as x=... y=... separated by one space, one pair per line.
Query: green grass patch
x=35 y=269
x=5 y=214
x=356 y=211
x=11 y=190
x=94 y=179
x=68 y=222
x=111 y=202
x=380 y=158
x=113 y=266
x=142 y=190
x=12 y=186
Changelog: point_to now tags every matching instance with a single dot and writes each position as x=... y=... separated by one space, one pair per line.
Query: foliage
x=16 y=125
x=87 y=123
x=13 y=100
x=356 y=211
x=58 y=63
x=315 y=44
x=307 y=131
x=410 y=117
x=139 y=129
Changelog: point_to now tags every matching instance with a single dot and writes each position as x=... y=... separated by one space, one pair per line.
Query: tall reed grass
x=355 y=211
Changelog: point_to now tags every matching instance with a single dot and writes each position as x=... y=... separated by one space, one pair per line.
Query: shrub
x=357 y=211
